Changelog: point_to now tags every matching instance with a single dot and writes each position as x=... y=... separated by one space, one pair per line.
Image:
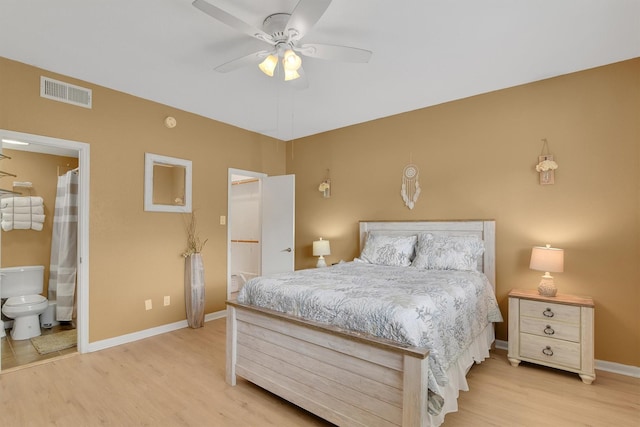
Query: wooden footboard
x=343 y=377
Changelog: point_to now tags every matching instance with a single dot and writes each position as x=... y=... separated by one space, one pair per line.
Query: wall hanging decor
x=325 y=186
x=410 y=185
x=546 y=166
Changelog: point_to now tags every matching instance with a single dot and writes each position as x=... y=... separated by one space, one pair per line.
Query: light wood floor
x=177 y=379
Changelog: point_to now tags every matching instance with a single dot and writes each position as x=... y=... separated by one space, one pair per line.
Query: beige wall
x=136 y=255
x=476 y=158
x=30 y=247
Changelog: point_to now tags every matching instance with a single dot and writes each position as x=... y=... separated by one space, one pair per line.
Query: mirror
x=167 y=184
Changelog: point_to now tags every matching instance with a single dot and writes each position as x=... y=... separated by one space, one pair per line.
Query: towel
x=21 y=225
x=21 y=201
x=36 y=210
x=25 y=217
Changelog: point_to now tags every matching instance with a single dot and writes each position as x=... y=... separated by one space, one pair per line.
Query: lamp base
x=321 y=262
x=547 y=288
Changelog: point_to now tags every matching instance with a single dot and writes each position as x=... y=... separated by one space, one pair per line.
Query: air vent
x=65 y=92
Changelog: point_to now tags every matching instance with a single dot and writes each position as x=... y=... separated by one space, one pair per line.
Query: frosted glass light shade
x=269 y=64
x=291 y=61
x=290 y=75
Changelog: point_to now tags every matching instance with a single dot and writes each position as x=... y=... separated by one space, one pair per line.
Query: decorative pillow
x=448 y=252
x=389 y=250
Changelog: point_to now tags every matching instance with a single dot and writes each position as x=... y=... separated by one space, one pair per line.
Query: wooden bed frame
x=344 y=377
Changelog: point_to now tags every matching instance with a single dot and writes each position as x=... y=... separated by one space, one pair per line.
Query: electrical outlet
x=148 y=305
x=223 y=220
x=167 y=300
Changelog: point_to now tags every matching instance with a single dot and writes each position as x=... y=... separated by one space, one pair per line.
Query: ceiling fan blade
x=251 y=59
x=334 y=53
x=304 y=16
x=232 y=21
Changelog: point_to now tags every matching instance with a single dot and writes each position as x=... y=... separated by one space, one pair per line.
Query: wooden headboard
x=484 y=229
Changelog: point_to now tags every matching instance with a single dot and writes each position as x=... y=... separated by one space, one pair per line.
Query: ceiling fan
x=283 y=31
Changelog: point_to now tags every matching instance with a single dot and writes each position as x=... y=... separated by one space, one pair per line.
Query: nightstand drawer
x=550 y=329
x=550 y=311
x=551 y=351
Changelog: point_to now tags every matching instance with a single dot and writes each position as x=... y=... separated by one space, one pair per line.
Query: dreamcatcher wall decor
x=410 y=185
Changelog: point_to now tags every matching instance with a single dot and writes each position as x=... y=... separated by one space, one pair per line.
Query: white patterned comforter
x=441 y=310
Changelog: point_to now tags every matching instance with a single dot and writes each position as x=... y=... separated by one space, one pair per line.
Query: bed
x=349 y=375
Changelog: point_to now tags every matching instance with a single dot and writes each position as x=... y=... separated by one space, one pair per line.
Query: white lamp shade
x=321 y=248
x=547 y=259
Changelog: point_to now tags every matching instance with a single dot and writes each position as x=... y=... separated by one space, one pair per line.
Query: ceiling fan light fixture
x=290 y=75
x=291 y=61
x=269 y=65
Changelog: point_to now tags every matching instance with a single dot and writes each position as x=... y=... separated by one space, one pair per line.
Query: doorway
x=244 y=249
x=59 y=147
x=260 y=226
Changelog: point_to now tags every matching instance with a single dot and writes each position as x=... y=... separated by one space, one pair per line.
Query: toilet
x=22 y=287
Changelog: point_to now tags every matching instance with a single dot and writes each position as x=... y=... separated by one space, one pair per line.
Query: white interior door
x=278 y=223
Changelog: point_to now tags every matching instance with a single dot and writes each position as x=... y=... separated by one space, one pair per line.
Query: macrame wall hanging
x=410 y=185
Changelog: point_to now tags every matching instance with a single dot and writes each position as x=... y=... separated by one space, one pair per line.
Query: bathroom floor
x=22 y=352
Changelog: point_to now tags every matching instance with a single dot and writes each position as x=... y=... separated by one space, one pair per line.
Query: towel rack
x=4 y=192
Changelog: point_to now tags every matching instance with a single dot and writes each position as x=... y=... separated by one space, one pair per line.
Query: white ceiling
x=425 y=52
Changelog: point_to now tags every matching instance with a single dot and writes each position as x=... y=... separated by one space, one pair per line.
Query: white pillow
x=448 y=252
x=389 y=250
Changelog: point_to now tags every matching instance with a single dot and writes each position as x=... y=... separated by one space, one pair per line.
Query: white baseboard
x=602 y=365
x=618 y=368
x=135 y=336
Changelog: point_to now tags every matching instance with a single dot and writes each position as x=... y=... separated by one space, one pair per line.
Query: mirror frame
x=151 y=159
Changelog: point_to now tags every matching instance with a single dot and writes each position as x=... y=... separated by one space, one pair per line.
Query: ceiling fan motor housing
x=275 y=25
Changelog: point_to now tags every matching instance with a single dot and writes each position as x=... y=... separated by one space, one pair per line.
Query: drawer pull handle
x=549 y=330
x=547 y=351
x=548 y=313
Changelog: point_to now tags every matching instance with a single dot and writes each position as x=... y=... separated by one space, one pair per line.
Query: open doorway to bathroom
x=37 y=170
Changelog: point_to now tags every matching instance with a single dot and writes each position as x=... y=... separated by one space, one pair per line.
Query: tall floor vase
x=194 y=290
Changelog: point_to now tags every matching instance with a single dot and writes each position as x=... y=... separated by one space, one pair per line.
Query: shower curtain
x=62 y=271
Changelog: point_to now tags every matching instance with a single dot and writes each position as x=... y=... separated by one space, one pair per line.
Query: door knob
x=286 y=250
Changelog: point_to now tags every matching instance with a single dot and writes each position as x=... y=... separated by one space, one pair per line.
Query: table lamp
x=321 y=248
x=549 y=260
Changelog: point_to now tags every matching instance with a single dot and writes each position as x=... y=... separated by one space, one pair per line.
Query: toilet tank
x=24 y=280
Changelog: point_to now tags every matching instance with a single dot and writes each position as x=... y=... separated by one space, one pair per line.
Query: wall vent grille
x=65 y=92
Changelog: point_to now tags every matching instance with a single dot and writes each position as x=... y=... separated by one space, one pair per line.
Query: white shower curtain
x=62 y=271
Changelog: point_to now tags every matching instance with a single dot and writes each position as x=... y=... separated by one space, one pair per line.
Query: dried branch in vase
x=194 y=244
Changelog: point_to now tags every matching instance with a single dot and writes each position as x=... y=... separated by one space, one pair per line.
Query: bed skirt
x=476 y=352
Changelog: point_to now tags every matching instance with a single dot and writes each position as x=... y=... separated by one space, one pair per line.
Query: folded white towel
x=21 y=225
x=22 y=217
x=21 y=201
x=35 y=210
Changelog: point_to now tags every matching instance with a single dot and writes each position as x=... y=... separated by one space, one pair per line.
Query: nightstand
x=552 y=331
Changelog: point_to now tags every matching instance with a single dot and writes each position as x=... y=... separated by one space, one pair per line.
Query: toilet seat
x=25 y=302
